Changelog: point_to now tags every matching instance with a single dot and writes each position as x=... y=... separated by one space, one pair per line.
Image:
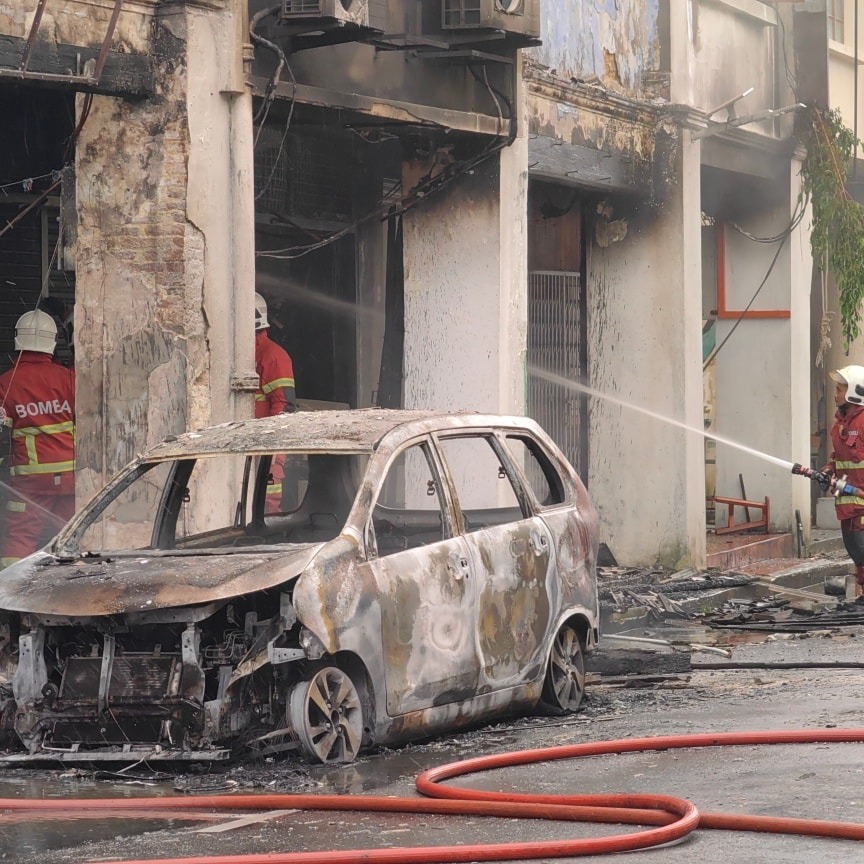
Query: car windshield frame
x=249 y=510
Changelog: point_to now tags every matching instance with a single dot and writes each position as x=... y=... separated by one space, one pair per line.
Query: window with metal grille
x=553 y=347
x=304 y=175
x=836 y=20
x=462 y=12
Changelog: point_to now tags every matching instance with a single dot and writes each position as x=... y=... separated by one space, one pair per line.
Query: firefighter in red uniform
x=275 y=392
x=37 y=403
x=847 y=460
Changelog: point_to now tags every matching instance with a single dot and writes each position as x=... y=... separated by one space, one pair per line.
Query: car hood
x=44 y=585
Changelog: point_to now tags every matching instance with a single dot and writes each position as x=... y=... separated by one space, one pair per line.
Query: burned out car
x=323 y=581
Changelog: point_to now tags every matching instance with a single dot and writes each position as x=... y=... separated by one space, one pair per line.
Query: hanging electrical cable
x=710 y=358
x=430 y=184
x=797 y=216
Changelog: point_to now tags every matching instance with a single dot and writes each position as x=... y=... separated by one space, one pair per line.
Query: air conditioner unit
x=365 y=14
x=521 y=17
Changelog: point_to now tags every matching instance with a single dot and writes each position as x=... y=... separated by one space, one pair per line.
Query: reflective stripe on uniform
x=270 y=386
x=849 y=466
x=31 y=434
x=850 y=499
x=8 y=562
x=47 y=429
x=16 y=506
x=47 y=468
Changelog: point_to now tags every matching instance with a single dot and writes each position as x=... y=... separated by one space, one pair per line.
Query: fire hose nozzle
x=823 y=478
x=827 y=481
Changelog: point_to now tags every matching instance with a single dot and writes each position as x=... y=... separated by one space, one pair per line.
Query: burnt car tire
x=564 y=685
x=326 y=714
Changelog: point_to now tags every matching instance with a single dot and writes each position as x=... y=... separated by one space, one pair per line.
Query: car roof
x=357 y=430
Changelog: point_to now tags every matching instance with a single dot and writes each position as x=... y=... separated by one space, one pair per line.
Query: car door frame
x=512 y=627
x=428 y=656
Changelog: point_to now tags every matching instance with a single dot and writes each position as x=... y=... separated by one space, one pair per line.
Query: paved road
x=815 y=781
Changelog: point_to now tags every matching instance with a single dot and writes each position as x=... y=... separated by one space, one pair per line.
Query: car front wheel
x=327 y=716
x=564 y=685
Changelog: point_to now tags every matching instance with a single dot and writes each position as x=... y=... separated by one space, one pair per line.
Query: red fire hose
x=673 y=817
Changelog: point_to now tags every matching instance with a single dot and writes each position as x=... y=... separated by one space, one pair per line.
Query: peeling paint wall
x=157 y=266
x=607 y=41
x=81 y=22
x=130 y=321
x=592 y=139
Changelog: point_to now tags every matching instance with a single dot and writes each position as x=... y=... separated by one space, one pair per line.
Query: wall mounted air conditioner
x=366 y=14
x=520 y=17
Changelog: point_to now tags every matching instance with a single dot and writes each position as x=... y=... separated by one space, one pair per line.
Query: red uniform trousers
x=39 y=505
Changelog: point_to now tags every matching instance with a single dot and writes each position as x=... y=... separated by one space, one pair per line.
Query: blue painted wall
x=578 y=34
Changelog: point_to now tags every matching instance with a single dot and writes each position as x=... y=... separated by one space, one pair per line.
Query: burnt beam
x=62 y=66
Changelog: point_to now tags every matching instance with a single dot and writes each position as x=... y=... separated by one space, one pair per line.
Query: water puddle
x=24 y=836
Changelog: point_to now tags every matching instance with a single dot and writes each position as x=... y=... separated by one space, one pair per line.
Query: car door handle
x=539 y=543
x=457 y=567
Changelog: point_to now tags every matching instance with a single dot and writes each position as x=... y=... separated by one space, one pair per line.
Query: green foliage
x=837 y=236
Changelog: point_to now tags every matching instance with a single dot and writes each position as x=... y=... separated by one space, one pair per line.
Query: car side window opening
x=409 y=511
x=542 y=478
x=484 y=489
x=317 y=494
x=283 y=480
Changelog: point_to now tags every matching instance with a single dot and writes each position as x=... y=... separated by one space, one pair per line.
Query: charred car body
x=419 y=572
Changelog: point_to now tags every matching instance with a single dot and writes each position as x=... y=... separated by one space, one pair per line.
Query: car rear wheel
x=326 y=713
x=564 y=685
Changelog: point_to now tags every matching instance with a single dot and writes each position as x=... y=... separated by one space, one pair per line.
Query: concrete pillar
x=682 y=39
x=645 y=325
x=165 y=268
x=465 y=253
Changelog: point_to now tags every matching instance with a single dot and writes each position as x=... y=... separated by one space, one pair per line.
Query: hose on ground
x=672 y=818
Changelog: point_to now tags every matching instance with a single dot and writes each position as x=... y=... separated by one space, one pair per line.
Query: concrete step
x=733 y=551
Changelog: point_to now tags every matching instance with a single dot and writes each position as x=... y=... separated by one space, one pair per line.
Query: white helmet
x=36 y=331
x=261 y=322
x=853 y=378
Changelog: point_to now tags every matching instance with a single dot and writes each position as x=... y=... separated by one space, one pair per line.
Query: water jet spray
x=711 y=436
x=836 y=485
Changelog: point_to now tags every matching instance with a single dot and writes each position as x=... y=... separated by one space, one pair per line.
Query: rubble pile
x=781 y=614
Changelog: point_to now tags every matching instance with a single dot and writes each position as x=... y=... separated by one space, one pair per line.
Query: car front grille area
x=100 y=694
x=140 y=677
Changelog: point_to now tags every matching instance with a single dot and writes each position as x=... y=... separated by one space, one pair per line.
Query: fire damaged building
x=446 y=204
x=359 y=164
x=665 y=222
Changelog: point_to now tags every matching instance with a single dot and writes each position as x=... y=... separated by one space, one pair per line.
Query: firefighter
x=275 y=392
x=847 y=458
x=37 y=404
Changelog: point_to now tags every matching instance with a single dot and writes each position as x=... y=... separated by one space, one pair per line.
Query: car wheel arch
x=563 y=681
x=351 y=665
